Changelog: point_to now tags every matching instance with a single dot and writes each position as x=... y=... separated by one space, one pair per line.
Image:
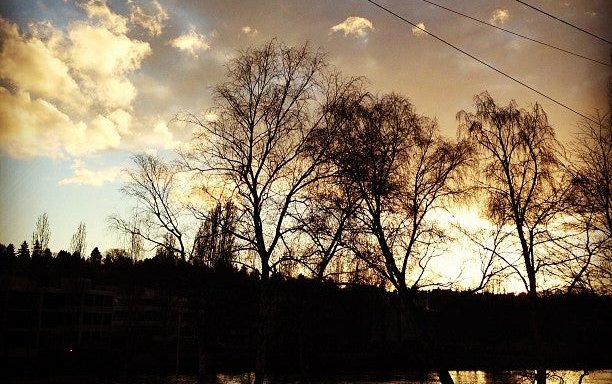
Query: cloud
x=98 y=10
x=84 y=176
x=247 y=30
x=32 y=128
x=103 y=70
x=355 y=26
x=152 y=22
x=499 y=16
x=67 y=92
x=33 y=67
x=154 y=133
x=191 y=42
x=37 y=128
x=420 y=31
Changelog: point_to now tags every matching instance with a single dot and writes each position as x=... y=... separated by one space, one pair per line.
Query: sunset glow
x=86 y=84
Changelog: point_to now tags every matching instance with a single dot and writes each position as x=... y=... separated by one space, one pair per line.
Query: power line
x=564 y=22
x=480 y=61
x=516 y=34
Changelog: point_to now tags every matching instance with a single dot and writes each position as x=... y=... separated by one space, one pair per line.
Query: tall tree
x=37 y=251
x=402 y=171
x=42 y=233
x=258 y=148
x=591 y=203
x=523 y=179
x=23 y=254
x=95 y=257
x=525 y=186
x=78 y=243
x=215 y=243
x=152 y=183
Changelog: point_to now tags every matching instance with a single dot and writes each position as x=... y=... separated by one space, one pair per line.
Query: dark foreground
x=125 y=319
x=460 y=377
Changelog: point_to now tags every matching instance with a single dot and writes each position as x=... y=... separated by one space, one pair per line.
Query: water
x=460 y=377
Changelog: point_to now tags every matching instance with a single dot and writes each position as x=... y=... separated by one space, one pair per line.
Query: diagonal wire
x=516 y=34
x=563 y=21
x=480 y=61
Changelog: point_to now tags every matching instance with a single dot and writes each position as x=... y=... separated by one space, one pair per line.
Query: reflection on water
x=460 y=377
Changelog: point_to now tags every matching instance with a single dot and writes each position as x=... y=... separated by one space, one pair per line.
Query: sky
x=86 y=84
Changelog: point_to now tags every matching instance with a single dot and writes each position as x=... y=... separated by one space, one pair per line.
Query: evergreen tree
x=4 y=257
x=47 y=256
x=37 y=250
x=24 y=251
x=95 y=257
x=10 y=251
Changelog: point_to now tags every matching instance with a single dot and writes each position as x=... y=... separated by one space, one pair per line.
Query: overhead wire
x=563 y=21
x=481 y=61
x=516 y=33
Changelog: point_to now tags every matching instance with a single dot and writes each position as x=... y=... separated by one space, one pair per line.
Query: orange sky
x=83 y=84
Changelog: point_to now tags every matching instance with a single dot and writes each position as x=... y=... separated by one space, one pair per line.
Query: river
x=460 y=377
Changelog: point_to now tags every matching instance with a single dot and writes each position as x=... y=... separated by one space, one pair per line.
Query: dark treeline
x=318 y=327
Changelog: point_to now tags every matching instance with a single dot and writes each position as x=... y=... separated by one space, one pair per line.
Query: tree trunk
x=423 y=335
x=444 y=377
x=540 y=373
x=263 y=325
x=304 y=334
x=540 y=376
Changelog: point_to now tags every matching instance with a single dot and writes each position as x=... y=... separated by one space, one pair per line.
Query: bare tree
x=402 y=171
x=136 y=246
x=592 y=204
x=42 y=234
x=152 y=183
x=78 y=242
x=327 y=212
x=259 y=147
x=215 y=243
x=525 y=187
x=523 y=179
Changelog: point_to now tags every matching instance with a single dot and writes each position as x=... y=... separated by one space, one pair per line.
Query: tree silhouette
x=591 y=203
x=525 y=186
x=153 y=184
x=42 y=233
x=523 y=179
x=95 y=257
x=79 y=240
x=215 y=243
x=23 y=254
x=257 y=149
x=37 y=250
x=402 y=170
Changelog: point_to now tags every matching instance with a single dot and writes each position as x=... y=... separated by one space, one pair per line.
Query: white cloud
x=122 y=120
x=99 y=11
x=499 y=16
x=420 y=31
x=32 y=128
x=113 y=54
x=152 y=134
x=191 y=42
x=152 y=22
x=247 y=30
x=84 y=176
x=68 y=93
x=33 y=67
x=37 y=128
x=355 y=26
